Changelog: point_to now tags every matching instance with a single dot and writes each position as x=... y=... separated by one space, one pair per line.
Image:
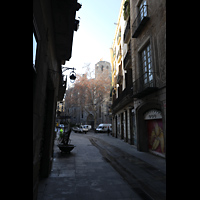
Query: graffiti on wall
x=156 y=135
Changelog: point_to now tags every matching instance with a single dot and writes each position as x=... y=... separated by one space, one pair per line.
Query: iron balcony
x=127 y=32
x=145 y=85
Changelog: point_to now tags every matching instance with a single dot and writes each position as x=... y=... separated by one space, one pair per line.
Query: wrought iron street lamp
x=72 y=75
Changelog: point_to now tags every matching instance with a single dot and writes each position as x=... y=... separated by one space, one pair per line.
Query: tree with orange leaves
x=89 y=93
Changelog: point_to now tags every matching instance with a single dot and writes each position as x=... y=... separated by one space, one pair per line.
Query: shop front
x=153 y=119
x=150 y=128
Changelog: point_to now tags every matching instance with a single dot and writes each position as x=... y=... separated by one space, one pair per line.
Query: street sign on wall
x=152 y=114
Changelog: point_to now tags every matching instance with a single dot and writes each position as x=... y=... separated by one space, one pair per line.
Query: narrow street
x=102 y=167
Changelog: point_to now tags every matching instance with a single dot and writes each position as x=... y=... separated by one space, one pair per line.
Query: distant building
x=102 y=67
x=103 y=111
x=60 y=106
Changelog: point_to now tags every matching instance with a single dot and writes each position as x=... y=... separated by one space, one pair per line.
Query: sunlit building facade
x=138 y=60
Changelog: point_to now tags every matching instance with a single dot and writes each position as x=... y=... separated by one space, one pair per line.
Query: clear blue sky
x=95 y=34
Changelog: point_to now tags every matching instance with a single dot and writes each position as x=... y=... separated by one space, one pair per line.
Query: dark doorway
x=131 y=122
x=122 y=126
x=46 y=149
x=116 y=126
x=126 y=118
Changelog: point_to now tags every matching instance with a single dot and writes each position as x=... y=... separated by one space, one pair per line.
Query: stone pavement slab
x=83 y=174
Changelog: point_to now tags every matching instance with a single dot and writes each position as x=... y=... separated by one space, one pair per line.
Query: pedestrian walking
x=108 y=131
x=61 y=132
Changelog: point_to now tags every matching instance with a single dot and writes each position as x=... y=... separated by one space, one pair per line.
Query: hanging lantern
x=72 y=77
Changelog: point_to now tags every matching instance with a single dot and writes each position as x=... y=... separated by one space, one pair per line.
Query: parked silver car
x=84 y=128
x=81 y=129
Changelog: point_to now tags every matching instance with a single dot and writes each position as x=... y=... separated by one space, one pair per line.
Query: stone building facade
x=103 y=68
x=53 y=26
x=122 y=122
x=145 y=35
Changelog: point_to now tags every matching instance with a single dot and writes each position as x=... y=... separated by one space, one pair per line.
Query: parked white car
x=102 y=128
x=84 y=128
x=88 y=126
x=76 y=129
x=81 y=129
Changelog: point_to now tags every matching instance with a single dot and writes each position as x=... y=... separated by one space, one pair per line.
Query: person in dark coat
x=108 y=131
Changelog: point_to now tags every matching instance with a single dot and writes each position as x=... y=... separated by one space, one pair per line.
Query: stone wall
x=46 y=81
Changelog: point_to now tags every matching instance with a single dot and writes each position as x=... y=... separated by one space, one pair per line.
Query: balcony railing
x=119 y=37
x=119 y=78
x=119 y=55
x=127 y=92
x=140 y=21
x=114 y=54
x=145 y=85
x=127 y=32
x=127 y=60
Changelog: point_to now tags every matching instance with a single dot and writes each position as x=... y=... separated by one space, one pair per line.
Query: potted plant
x=64 y=145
